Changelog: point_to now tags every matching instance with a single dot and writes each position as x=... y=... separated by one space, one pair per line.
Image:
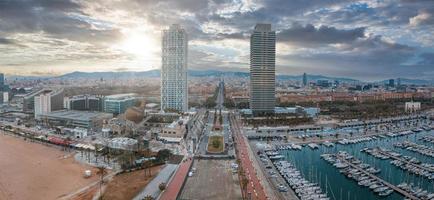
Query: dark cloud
x=55 y=18
x=368 y=58
x=6 y=41
x=10 y=42
x=427 y=59
x=309 y=34
x=367 y=33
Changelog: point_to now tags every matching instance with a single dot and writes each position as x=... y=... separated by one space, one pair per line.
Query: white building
x=412 y=106
x=123 y=143
x=174 y=89
x=48 y=101
x=175 y=131
x=5 y=97
x=76 y=132
x=262 y=69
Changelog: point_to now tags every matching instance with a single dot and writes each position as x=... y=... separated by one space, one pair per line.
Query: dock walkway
x=406 y=161
x=395 y=188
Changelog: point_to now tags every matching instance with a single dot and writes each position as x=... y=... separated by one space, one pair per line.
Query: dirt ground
x=128 y=185
x=35 y=171
x=88 y=194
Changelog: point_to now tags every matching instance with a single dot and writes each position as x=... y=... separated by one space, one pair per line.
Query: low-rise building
x=175 y=131
x=411 y=106
x=118 y=104
x=84 y=102
x=72 y=118
x=48 y=101
x=76 y=132
x=123 y=143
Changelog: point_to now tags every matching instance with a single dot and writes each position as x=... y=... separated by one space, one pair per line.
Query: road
x=202 y=146
x=220 y=95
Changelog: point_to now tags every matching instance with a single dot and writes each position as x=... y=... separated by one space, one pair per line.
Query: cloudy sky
x=369 y=40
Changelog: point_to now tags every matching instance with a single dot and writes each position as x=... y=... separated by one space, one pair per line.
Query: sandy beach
x=34 y=171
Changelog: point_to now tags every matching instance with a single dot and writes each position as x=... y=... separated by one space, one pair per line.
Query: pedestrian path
x=175 y=185
x=152 y=188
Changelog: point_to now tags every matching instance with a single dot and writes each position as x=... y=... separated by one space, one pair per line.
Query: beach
x=30 y=170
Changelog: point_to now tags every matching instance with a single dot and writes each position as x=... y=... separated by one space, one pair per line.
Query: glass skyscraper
x=262 y=70
x=174 y=89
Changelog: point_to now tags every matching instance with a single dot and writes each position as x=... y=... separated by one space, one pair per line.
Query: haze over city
x=367 y=40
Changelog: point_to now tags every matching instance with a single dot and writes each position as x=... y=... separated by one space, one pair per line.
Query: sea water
x=339 y=187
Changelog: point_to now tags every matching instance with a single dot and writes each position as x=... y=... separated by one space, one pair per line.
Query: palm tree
x=101 y=172
x=147 y=168
x=244 y=181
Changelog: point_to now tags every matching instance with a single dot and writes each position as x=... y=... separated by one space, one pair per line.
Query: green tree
x=164 y=154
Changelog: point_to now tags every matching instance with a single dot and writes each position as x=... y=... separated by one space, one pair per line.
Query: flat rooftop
x=121 y=96
x=76 y=115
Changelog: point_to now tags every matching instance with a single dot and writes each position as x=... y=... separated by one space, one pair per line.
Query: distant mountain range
x=214 y=73
x=192 y=73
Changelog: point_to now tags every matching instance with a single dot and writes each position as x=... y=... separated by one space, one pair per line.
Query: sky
x=367 y=40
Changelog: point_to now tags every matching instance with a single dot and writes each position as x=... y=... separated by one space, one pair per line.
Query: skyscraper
x=304 y=79
x=391 y=82
x=174 y=89
x=2 y=81
x=262 y=70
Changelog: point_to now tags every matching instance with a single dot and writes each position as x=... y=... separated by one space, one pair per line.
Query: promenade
x=254 y=188
x=174 y=187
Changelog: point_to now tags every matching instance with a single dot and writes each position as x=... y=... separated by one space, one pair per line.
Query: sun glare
x=139 y=44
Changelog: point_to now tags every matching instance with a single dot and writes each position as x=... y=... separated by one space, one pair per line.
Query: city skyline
x=367 y=40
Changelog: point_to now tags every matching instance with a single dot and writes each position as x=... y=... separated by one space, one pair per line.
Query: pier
x=418 y=148
x=405 y=161
x=395 y=188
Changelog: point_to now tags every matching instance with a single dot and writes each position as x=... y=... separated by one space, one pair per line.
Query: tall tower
x=2 y=81
x=262 y=70
x=304 y=79
x=174 y=89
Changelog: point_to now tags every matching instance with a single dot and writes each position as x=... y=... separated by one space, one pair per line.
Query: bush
x=216 y=143
x=163 y=154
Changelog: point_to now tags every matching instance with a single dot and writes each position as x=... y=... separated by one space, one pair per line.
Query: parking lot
x=212 y=179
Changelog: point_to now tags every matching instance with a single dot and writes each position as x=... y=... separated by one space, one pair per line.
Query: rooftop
x=121 y=96
x=76 y=115
x=180 y=121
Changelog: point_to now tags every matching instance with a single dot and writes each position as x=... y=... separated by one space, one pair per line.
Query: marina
x=375 y=174
x=304 y=189
x=361 y=173
x=408 y=163
x=422 y=149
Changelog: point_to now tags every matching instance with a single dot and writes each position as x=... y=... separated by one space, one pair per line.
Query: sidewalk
x=177 y=182
x=162 y=177
x=255 y=189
